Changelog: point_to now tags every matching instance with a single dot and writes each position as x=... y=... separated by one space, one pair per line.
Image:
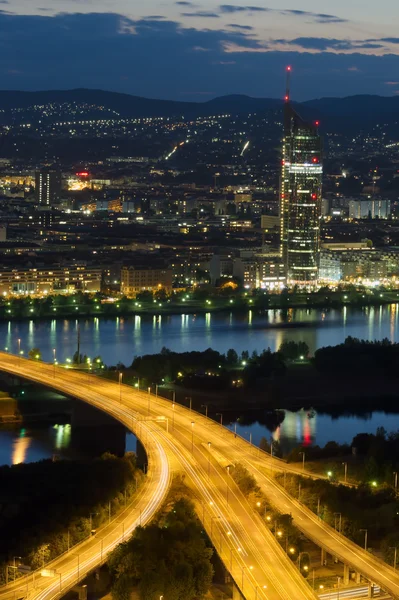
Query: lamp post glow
x=303 y=460
x=120 y=386
x=54 y=359
x=394 y=556
x=206 y=409
x=365 y=538
x=192 y=437
x=221 y=418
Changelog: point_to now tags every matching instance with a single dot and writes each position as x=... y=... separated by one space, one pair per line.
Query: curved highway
x=259 y=566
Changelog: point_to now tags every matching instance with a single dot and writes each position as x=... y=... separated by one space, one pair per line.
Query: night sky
x=201 y=49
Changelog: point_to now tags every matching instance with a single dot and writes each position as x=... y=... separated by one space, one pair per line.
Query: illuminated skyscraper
x=300 y=196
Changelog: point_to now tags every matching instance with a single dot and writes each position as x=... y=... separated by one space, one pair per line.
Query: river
x=120 y=339
x=32 y=443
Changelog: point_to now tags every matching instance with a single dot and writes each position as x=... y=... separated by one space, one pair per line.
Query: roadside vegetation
x=170 y=557
x=48 y=507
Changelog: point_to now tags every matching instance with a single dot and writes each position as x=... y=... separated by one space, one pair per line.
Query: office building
x=57 y=280
x=140 y=278
x=300 y=197
x=48 y=186
x=369 y=208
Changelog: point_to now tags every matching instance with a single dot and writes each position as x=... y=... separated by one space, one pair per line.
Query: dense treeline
x=377 y=455
x=169 y=558
x=213 y=370
x=45 y=507
x=359 y=357
x=351 y=509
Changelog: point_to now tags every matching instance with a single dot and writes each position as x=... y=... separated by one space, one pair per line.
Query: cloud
x=230 y=8
x=323 y=44
x=202 y=13
x=318 y=17
x=101 y=50
x=183 y=3
x=242 y=27
x=392 y=83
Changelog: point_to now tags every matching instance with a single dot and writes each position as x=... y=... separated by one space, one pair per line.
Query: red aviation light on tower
x=314 y=196
x=288 y=70
x=315 y=160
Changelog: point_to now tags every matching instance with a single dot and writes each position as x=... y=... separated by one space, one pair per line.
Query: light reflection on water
x=18 y=445
x=309 y=428
x=120 y=339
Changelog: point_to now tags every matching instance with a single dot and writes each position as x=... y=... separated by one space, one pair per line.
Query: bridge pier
x=370 y=590
x=346 y=574
x=95 y=432
x=323 y=557
x=236 y=593
x=358 y=576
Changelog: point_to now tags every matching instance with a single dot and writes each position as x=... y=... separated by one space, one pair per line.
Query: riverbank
x=95 y=306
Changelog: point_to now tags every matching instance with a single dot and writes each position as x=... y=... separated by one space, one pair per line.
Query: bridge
x=178 y=439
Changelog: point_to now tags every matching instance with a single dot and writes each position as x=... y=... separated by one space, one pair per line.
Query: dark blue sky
x=197 y=50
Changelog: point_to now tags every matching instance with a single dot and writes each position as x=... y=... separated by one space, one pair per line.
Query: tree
x=232 y=357
x=167 y=558
x=35 y=354
x=293 y=350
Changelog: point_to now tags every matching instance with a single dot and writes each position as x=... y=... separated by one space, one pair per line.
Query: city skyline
x=198 y=50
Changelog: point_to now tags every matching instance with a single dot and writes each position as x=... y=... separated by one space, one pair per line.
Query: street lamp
x=190 y=399
x=206 y=409
x=242 y=574
x=394 y=556
x=91 y=521
x=212 y=522
x=221 y=418
x=149 y=399
x=192 y=437
x=340 y=521
x=19 y=349
x=54 y=355
x=303 y=460
x=209 y=458
x=120 y=386
x=346 y=470
x=365 y=538
x=396 y=481
x=173 y=415
x=15 y=565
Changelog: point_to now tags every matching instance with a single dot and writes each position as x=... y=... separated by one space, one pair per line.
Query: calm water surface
x=298 y=428
x=310 y=428
x=121 y=339
x=31 y=444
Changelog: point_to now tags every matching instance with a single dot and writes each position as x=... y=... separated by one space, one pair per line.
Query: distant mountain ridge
x=358 y=107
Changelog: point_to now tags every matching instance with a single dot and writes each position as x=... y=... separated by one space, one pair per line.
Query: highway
x=260 y=568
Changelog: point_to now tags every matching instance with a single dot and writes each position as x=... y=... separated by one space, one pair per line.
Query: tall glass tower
x=300 y=196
